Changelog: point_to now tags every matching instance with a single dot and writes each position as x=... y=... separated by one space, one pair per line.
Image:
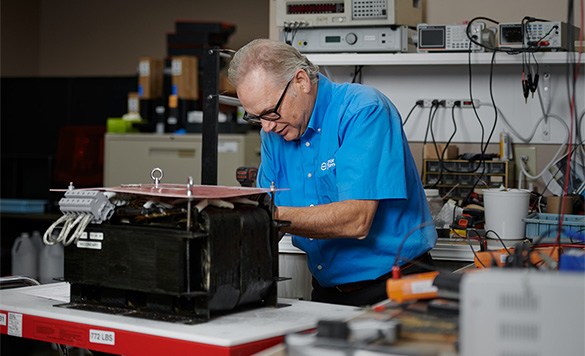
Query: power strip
x=449 y=103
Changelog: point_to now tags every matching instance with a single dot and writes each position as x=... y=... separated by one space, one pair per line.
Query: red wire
x=569 y=146
x=561 y=245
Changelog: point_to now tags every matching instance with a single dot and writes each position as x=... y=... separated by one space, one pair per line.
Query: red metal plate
x=180 y=190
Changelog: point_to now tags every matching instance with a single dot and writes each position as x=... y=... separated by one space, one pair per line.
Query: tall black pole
x=210 y=114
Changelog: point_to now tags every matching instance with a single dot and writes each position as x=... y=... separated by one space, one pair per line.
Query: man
x=355 y=193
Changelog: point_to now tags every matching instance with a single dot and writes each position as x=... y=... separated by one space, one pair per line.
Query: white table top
x=225 y=330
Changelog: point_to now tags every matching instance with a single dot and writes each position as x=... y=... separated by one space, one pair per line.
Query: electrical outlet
x=449 y=103
x=427 y=103
x=528 y=154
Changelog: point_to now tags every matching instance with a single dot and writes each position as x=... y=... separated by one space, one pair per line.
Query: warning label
x=59 y=334
x=15 y=324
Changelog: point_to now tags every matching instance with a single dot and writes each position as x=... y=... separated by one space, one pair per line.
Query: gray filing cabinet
x=129 y=158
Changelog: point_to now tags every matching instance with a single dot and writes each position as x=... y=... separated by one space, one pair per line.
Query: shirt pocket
x=327 y=185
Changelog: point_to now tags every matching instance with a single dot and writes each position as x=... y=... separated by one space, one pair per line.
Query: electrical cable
x=47 y=236
x=70 y=221
x=435 y=106
x=572 y=75
x=499 y=238
x=473 y=251
x=555 y=158
x=483 y=147
x=418 y=227
x=291 y=28
x=552 y=163
x=430 y=126
x=424 y=265
x=69 y=224
x=441 y=160
x=357 y=72
x=418 y=103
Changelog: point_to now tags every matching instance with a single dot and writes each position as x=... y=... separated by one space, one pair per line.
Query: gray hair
x=278 y=59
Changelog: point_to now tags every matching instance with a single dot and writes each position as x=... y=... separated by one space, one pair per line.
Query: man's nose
x=268 y=126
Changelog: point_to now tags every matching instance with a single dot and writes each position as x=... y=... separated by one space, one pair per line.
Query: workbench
x=33 y=313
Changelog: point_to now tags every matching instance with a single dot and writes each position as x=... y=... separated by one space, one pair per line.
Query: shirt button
x=312 y=205
x=319 y=267
x=310 y=239
x=319 y=129
x=308 y=144
x=309 y=175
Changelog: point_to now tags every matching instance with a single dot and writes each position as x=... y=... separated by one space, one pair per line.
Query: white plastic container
x=51 y=263
x=25 y=257
x=37 y=239
x=504 y=210
x=292 y=263
x=435 y=205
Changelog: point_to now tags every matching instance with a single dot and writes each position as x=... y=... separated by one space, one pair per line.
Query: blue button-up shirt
x=354 y=148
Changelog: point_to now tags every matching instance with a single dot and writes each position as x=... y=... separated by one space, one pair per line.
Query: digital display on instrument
x=432 y=37
x=316 y=8
x=511 y=34
x=332 y=39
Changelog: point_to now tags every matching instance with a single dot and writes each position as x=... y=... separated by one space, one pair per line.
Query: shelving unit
x=353 y=59
x=461 y=175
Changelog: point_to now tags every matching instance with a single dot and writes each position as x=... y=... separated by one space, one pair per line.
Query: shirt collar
x=324 y=94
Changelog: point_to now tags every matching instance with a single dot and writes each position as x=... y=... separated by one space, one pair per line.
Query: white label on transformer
x=94 y=245
x=96 y=235
x=2 y=319
x=83 y=235
x=15 y=324
x=423 y=287
x=102 y=337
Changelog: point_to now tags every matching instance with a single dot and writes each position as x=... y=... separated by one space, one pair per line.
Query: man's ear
x=303 y=81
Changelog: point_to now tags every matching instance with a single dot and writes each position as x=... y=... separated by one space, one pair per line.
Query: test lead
x=525 y=88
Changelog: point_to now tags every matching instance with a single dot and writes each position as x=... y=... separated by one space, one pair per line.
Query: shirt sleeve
x=265 y=171
x=370 y=160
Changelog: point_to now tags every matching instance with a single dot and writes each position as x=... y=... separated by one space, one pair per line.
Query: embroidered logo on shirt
x=326 y=165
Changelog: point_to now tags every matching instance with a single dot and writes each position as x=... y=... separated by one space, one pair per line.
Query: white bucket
x=504 y=211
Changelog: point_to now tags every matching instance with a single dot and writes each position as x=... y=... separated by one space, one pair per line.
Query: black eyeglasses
x=270 y=115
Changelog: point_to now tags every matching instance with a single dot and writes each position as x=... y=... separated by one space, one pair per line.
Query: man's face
x=259 y=96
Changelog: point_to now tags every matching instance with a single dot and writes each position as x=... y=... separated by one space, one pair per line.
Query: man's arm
x=345 y=219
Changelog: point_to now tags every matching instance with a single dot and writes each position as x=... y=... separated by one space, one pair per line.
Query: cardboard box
x=150 y=78
x=430 y=153
x=185 y=73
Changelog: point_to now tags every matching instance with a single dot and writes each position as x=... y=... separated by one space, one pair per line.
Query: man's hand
x=345 y=219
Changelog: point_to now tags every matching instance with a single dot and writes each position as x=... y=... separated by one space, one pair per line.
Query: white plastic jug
x=25 y=257
x=51 y=263
x=37 y=239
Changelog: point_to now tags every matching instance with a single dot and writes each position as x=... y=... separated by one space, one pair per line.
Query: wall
x=85 y=38
x=105 y=38
x=405 y=84
x=19 y=38
x=458 y=11
x=43 y=38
